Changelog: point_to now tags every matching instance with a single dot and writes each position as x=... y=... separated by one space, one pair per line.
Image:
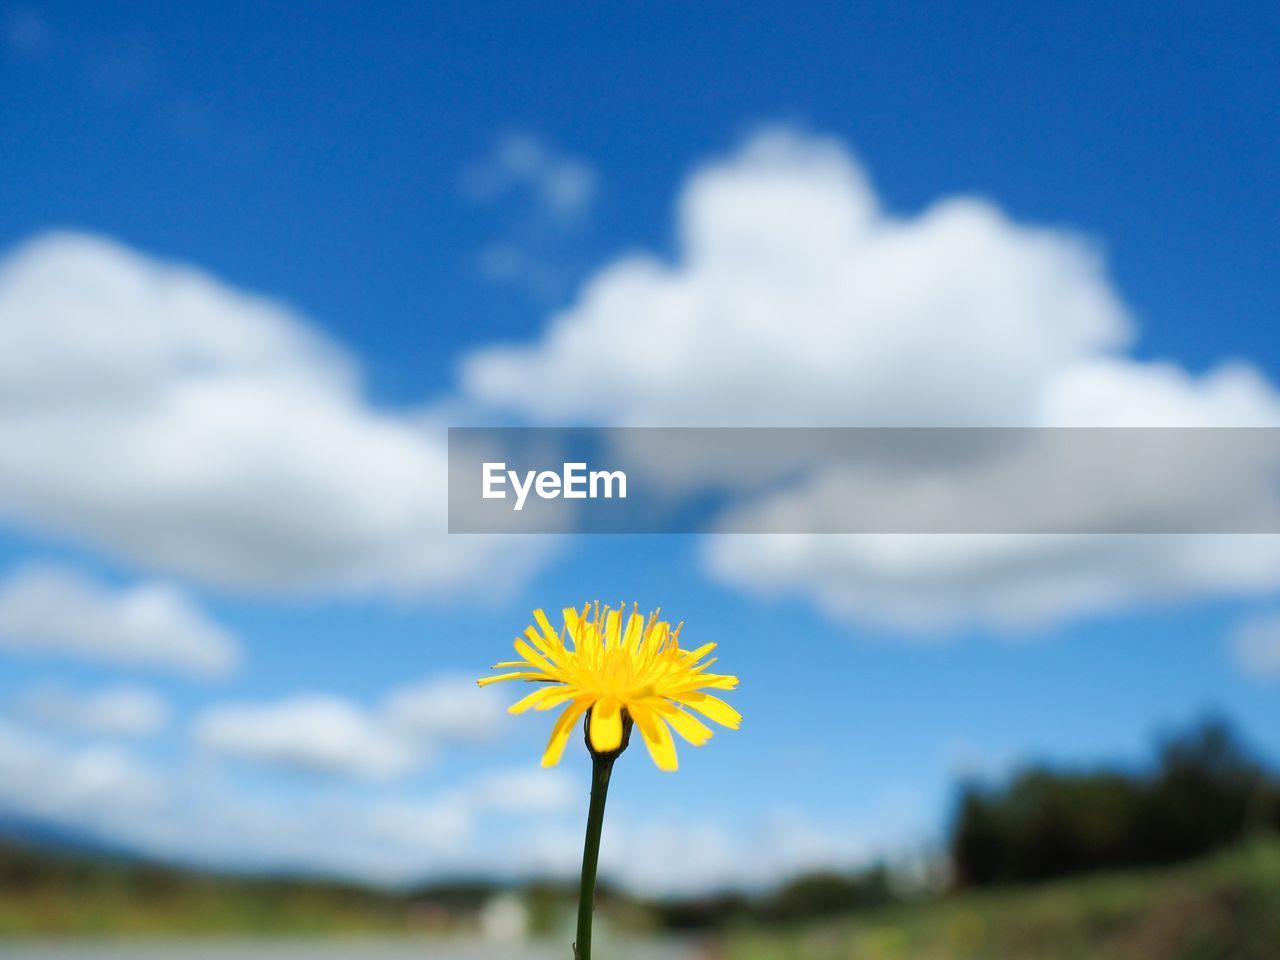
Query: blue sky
x=419 y=186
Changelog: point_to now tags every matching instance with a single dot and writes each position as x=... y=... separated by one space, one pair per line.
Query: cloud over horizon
x=109 y=794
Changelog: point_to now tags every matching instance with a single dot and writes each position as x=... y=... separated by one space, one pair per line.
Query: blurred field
x=339 y=950
x=125 y=902
x=1223 y=908
x=1226 y=907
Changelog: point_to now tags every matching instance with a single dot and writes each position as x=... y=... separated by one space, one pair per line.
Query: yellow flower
x=614 y=671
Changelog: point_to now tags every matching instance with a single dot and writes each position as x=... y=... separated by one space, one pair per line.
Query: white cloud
x=55 y=610
x=930 y=583
x=524 y=791
x=503 y=823
x=125 y=711
x=163 y=417
x=561 y=186
x=330 y=734
x=446 y=707
x=1255 y=644
x=1113 y=392
x=682 y=855
x=797 y=300
x=94 y=788
x=381 y=836
x=313 y=732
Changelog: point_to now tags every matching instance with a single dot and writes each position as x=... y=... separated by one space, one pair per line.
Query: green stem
x=601 y=768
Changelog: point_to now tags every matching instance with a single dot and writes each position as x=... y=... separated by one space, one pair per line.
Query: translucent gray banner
x=864 y=480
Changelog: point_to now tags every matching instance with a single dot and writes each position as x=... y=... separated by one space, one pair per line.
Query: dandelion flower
x=618 y=674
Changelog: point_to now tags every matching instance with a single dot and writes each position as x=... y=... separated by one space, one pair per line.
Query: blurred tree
x=1205 y=792
x=827 y=894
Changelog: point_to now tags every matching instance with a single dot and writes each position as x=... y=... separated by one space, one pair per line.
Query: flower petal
x=656 y=737
x=560 y=733
x=535 y=659
x=538 y=642
x=693 y=656
x=711 y=681
x=713 y=708
x=656 y=638
x=571 y=621
x=634 y=632
x=548 y=631
x=687 y=725
x=556 y=695
x=485 y=681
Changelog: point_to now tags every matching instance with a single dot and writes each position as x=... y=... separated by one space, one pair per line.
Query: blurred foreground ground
x=1226 y=907
x=340 y=950
x=1223 y=908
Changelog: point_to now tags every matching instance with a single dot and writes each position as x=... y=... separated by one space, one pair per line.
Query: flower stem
x=601 y=768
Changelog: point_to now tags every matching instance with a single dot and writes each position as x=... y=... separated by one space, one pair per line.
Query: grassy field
x=1224 y=908
x=198 y=910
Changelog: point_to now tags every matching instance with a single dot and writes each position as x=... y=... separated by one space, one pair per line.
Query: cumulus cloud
x=930 y=583
x=445 y=707
x=314 y=732
x=681 y=855
x=329 y=734
x=112 y=795
x=515 y=822
x=796 y=299
x=93 y=788
x=523 y=791
x=1255 y=644
x=159 y=415
x=125 y=711
x=55 y=610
